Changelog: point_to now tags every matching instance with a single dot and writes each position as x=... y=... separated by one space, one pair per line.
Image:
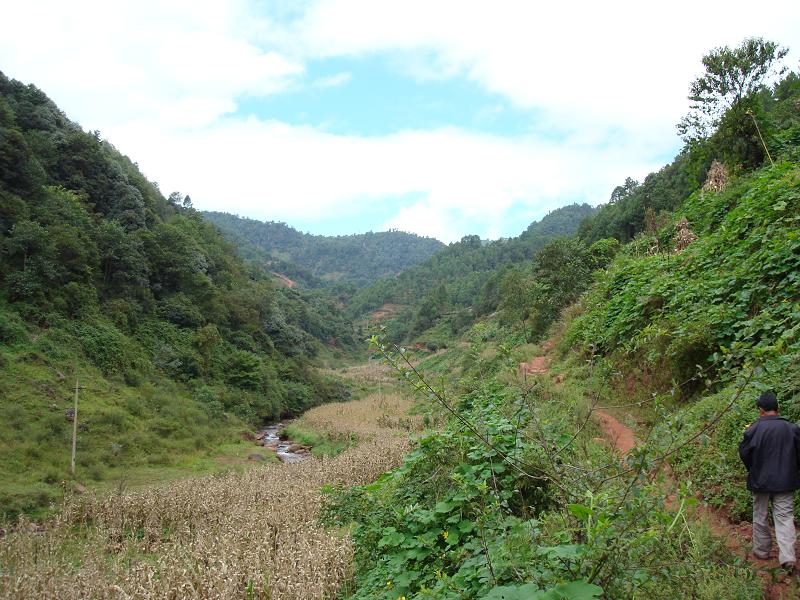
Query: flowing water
x=272 y=438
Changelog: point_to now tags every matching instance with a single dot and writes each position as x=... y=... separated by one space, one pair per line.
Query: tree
x=27 y=239
x=514 y=305
x=731 y=80
x=624 y=191
x=175 y=199
x=562 y=271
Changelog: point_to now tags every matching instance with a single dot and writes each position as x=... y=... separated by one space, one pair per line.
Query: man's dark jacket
x=771 y=452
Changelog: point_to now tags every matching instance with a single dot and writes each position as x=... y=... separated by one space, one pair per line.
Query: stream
x=270 y=437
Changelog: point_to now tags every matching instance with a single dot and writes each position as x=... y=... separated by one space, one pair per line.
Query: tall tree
x=731 y=79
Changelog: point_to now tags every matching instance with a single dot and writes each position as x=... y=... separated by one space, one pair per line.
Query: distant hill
x=313 y=260
x=455 y=278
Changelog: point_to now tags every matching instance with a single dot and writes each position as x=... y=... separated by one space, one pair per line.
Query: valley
x=269 y=414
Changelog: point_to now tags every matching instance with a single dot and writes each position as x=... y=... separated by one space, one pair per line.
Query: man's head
x=767 y=403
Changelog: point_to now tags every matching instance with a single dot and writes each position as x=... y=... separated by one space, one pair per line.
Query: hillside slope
x=174 y=340
x=457 y=278
x=709 y=327
x=357 y=259
x=522 y=491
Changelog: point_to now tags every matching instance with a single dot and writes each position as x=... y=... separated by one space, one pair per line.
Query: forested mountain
x=175 y=338
x=357 y=259
x=462 y=278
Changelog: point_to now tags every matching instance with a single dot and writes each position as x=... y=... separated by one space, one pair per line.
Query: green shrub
x=103 y=344
x=17 y=499
x=12 y=327
x=180 y=310
x=243 y=369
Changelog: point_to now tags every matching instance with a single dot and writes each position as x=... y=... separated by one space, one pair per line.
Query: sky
x=444 y=118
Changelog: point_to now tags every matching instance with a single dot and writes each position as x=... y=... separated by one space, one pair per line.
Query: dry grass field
x=377 y=416
x=373 y=374
x=241 y=535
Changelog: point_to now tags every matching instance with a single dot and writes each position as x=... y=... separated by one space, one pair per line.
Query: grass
x=226 y=457
x=154 y=430
x=322 y=444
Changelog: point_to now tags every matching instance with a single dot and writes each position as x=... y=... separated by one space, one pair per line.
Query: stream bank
x=287 y=451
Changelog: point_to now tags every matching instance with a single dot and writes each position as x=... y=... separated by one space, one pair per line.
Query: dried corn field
x=373 y=374
x=376 y=416
x=241 y=535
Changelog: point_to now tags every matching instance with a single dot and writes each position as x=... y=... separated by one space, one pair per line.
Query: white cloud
x=270 y=170
x=178 y=63
x=162 y=81
x=333 y=80
x=618 y=61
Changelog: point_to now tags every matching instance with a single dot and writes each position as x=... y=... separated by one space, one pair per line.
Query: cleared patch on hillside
x=283 y=279
x=387 y=311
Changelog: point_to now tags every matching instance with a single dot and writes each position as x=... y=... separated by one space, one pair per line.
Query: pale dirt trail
x=737 y=536
x=620 y=436
x=538 y=365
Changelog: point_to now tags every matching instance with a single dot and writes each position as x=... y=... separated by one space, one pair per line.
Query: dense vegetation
x=173 y=338
x=354 y=260
x=686 y=323
x=462 y=279
x=678 y=331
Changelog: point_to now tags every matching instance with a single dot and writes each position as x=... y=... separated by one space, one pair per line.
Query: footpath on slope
x=737 y=536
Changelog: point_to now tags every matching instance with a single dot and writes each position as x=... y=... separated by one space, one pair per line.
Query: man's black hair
x=767 y=401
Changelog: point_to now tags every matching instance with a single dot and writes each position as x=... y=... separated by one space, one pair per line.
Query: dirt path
x=737 y=536
x=620 y=436
x=283 y=279
x=538 y=365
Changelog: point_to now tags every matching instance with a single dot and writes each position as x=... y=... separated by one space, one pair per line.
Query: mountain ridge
x=316 y=260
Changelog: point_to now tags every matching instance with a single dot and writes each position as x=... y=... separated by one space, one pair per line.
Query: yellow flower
x=445 y=534
x=389 y=583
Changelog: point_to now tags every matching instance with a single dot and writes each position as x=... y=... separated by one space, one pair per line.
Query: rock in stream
x=287 y=450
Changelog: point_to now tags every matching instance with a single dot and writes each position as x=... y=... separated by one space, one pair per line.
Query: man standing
x=771 y=452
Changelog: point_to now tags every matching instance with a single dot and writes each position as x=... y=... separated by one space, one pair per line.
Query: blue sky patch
x=371 y=96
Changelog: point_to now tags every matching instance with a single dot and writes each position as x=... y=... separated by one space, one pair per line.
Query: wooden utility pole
x=380 y=383
x=763 y=143
x=74 y=425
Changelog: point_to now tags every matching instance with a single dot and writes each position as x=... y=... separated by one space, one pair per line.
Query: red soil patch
x=620 y=436
x=283 y=279
x=388 y=310
x=538 y=365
